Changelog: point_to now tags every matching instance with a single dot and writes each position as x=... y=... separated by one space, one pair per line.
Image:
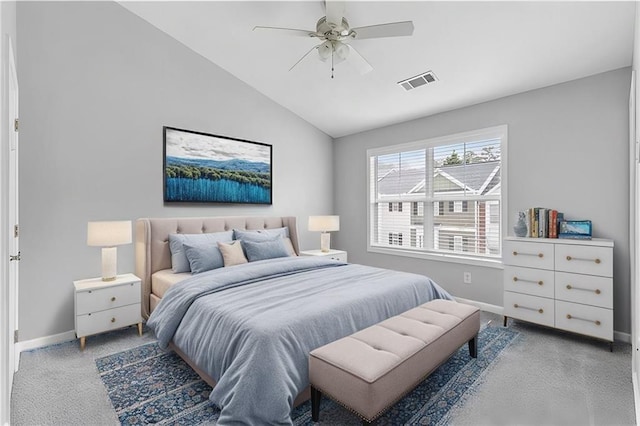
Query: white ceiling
x=478 y=50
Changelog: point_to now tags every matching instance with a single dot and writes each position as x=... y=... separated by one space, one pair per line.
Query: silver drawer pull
x=570 y=287
x=596 y=260
x=515 y=253
x=113 y=299
x=113 y=320
x=516 y=279
x=540 y=311
x=596 y=322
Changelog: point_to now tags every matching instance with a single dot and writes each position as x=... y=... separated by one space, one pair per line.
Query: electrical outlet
x=467 y=277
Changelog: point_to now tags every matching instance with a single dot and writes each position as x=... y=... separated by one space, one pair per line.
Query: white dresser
x=106 y=305
x=566 y=284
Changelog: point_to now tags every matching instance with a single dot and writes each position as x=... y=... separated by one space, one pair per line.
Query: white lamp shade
x=109 y=234
x=324 y=223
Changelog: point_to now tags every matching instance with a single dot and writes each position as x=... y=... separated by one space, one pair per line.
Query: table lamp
x=324 y=224
x=108 y=235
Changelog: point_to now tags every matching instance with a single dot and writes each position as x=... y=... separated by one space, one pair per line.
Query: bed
x=247 y=329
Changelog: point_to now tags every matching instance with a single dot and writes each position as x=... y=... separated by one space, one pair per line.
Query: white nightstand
x=106 y=305
x=331 y=254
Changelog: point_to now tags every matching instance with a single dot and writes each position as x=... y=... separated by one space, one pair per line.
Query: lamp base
x=109 y=263
x=325 y=242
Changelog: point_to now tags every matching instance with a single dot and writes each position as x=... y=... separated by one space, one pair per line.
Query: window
x=454 y=187
x=395 y=239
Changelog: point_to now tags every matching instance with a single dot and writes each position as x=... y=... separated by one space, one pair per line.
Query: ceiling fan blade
x=392 y=29
x=334 y=9
x=305 y=55
x=358 y=61
x=287 y=31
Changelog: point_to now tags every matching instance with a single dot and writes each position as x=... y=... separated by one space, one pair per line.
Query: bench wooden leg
x=316 y=396
x=473 y=347
x=505 y=321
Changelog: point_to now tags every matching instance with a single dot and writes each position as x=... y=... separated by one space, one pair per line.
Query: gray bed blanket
x=251 y=327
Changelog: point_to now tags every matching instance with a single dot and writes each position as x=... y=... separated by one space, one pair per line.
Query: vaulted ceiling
x=478 y=51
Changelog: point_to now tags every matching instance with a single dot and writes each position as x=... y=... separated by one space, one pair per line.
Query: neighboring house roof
x=478 y=178
x=400 y=181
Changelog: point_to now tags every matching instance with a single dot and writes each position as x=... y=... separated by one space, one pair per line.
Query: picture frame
x=206 y=168
x=575 y=229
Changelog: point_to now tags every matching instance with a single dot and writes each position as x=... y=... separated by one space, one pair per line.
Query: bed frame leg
x=473 y=347
x=316 y=396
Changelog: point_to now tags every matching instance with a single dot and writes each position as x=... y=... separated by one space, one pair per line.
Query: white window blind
x=444 y=195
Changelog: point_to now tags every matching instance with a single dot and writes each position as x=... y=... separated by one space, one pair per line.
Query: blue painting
x=204 y=168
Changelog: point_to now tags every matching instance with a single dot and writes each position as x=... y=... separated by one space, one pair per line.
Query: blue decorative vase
x=520 y=228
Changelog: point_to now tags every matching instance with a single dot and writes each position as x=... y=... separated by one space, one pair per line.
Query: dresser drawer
x=536 y=282
x=528 y=254
x=529 y=308
x=106 y=298
x=585 y=289
x=591 y=260
x=583 y=319
x=107 y=320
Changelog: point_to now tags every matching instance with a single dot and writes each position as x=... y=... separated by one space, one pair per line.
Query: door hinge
x=16 y=257
x=15 y=336
x=16 y=231
x=16 y=124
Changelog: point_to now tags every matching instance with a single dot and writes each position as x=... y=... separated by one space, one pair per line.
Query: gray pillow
x=203 y=257
x=261 y=234
x=261 y=250
x=179 y=261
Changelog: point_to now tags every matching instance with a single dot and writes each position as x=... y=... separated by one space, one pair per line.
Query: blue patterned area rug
x=148 y=385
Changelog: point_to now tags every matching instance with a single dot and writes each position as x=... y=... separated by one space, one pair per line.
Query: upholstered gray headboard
x=152 y=240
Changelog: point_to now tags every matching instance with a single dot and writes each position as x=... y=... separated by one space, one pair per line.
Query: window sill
x=466 y=260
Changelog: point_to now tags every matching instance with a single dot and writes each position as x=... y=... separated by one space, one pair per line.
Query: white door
x=9 y=219
x=14 y=244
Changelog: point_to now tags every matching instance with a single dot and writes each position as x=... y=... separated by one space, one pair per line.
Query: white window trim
x=464 y=137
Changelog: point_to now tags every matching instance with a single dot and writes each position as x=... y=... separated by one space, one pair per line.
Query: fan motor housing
x=333 y=32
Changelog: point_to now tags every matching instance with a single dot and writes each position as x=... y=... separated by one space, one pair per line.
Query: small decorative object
x=324 y=224
x=204 y=168
x=108 y=235
x=520 y=228
x=575 y=229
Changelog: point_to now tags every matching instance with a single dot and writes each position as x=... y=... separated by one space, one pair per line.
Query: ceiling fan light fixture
x=325 y=50
x=341 y=49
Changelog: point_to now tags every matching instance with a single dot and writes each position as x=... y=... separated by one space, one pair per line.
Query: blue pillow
x=179 y=261
x=261 y=250
x=261 y=234
x=203 y=257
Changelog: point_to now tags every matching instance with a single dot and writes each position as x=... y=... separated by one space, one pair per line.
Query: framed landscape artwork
x=204 y=168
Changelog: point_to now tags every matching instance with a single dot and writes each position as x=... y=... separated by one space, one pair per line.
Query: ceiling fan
x=334 y=32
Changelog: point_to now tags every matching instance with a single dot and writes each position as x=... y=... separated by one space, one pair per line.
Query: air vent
x=418 y=80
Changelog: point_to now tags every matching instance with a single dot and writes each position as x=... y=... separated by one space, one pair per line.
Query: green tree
x=452 y=159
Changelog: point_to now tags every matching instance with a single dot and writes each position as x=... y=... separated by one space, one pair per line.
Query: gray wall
x=567 y=149
x=97 y=84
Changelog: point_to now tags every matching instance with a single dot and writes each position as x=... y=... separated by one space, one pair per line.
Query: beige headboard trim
x=152 y=240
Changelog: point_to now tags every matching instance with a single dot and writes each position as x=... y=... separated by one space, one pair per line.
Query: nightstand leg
x=82 y=342
x=140 y=328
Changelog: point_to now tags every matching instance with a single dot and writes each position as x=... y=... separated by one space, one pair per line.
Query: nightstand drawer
x=585 y=289
x=591 y=260
x=583 y=319
x=341 y=257
x=100 y=299
x=528 y=254
x=536 y=282
x=107 y=320
x=529 y=308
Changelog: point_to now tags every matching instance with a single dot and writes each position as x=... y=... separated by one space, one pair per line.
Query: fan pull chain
x=332 y=52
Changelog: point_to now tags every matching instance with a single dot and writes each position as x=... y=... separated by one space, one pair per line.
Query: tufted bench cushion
x=370 y=370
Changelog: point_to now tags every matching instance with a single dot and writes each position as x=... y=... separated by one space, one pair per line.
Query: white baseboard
x=40 y=342
x=618 y=336
x=494 y=309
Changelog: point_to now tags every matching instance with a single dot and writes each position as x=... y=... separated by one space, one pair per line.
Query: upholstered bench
x=370 y=370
